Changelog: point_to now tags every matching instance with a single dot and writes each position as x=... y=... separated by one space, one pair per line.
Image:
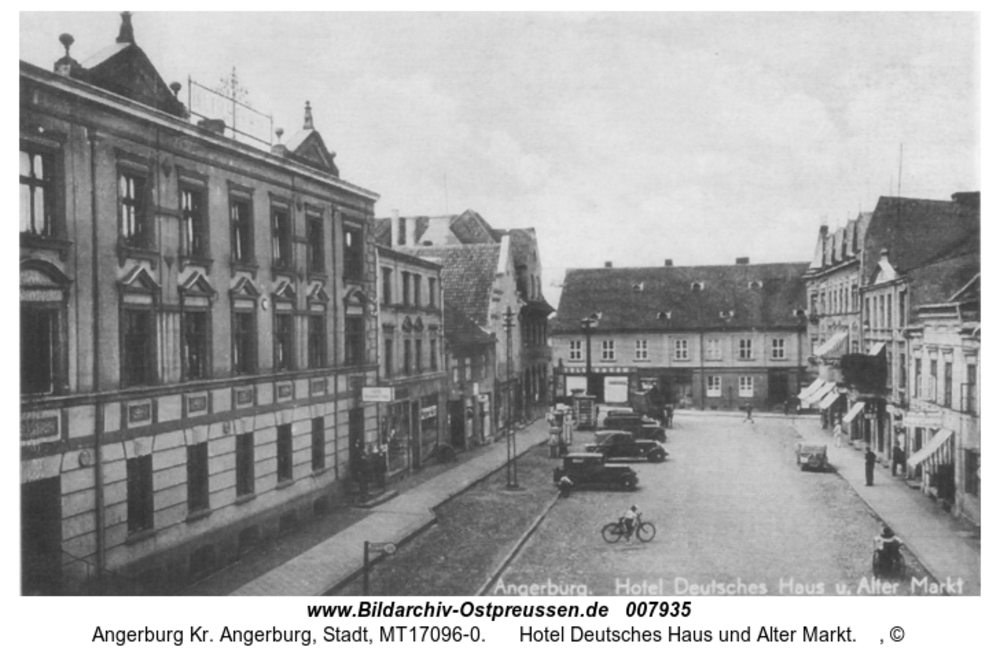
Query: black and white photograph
x=499 y=305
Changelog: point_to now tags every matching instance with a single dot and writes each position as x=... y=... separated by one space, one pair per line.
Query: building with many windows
x=711 y=337
x=196 y=326
x=411 y=325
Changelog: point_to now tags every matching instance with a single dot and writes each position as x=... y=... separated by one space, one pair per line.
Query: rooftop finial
x=309 y=118
x=66 y=65
x=125 y=34
x=66 y=39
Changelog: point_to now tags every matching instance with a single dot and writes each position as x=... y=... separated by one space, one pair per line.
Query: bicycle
x=643 y=530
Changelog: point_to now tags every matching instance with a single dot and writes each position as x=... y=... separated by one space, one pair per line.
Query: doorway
x=41 y=536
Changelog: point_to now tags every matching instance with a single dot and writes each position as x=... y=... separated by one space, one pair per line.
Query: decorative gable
x=197 y=284
x=244 y=288
x=307 y=147
x=317 y=294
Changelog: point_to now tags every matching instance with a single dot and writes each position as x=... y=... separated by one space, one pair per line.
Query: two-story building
x=196 y=327
x=411 y=323
x=718 y=336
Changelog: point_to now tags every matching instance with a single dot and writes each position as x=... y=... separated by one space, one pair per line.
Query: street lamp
x=588 y=324
x=509 y=323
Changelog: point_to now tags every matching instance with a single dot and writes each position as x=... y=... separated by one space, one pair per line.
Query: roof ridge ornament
x=126 y=34
x=308 y=123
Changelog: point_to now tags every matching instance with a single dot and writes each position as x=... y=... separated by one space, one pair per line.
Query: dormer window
x=755 y=285
x=663 y=315
x=697 y=286
x=638 y=287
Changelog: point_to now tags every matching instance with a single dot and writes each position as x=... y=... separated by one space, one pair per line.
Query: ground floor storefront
x=413 y=425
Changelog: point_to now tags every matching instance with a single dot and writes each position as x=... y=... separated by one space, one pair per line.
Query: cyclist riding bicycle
x=629 y=519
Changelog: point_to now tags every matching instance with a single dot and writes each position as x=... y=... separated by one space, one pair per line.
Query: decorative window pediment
x=317 y=294
x=285 y=291
x=245 y=288
x=198 y=285
x=139 y=280
x=407 y=324
x=38 y=273
x=418 y=325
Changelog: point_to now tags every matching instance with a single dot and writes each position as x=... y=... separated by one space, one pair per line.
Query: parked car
x=811 y=455
x=618 y=444
x=588 y=469
x=640 y=426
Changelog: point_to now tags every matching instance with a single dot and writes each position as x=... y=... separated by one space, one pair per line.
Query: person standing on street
x=869 y=467
x=749 y=414
x=784 y=406
x=898 y=459
x=838 y=434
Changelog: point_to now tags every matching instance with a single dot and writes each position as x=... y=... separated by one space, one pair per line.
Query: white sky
x=623 y=137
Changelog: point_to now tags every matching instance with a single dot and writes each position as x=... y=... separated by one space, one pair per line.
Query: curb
x=409 y=534
x=521 y=541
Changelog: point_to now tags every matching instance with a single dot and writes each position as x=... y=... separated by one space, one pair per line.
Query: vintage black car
x=640 y=426
x=811 y=455
x=618 y=444
x=588 y=469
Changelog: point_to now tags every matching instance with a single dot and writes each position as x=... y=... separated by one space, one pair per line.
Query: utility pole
x=509 y=323
x=587 y=324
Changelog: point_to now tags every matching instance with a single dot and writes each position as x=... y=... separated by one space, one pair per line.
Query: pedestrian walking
x=838 y=434
x=669 y=411
x=898 y=459
x=749 y=415
x=869 y=467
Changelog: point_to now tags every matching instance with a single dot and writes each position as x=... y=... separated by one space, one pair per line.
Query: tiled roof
x=467 y=276
x=916 y=231
x=938 y=280
x=660 y=299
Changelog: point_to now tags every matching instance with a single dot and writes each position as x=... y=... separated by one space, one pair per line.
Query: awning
x=935 y=444
x=820 y=393
x=876 y=348
x=857 y=408
x=812 y=389
x=834 y=346
x=831 y=397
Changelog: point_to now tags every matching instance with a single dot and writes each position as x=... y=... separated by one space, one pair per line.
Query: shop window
x=139 y=492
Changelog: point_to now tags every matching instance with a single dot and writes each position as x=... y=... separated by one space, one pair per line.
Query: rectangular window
x=969 y=399
x=197 y=477
x=607 y=350
x=947 y=384
x=417 y=281
x=902 y=308
x=194 y=223
x=314 y=244
x=386 y=286
x=139 y=492
x=468 y=369
x=641 y=350
x=434 y=355
x=714 y=386
x=284 y=346
x=244 y=343
x=244 y=464
x=777 y=348
x=576 y=350
x=972 y=472
x=387 y=357
x=418 y=355
x=195 y=347
x=284 y=452
x=281 y=237
x=241 y=230
x=917 y=365
x=746 y=348
x=354 y=253
x=888 y=311
x=407 y=357
x=713 y=349
x=133 y=223
x=432 y=292
x=406 y=289
x=354 y=341
x=932 y=384
x=681 y=349
x=37 y=193
x=138 y=366
x=316 y=347
x=40 y=334
x=318 y=444
x=746 y=386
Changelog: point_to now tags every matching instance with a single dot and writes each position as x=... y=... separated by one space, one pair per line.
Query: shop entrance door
x=456 y=423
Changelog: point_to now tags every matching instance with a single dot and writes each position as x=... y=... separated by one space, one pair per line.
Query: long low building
x=709 y=337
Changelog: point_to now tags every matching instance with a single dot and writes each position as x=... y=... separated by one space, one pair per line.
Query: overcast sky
x=623 y=137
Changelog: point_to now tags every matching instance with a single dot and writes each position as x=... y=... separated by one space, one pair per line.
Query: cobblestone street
x=732 y=510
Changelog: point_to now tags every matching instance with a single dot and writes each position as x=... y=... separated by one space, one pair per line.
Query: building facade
x=411 y=325
x=710 y=337
x=196 y=327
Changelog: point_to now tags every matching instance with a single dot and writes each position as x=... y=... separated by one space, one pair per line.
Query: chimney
x=743 y=260
x=394 y=228
x=307 y=124
x=125 y=33
x=967 y=199
x=668 y=262
x=607 y=264
x=411 y=232
x=884 y=254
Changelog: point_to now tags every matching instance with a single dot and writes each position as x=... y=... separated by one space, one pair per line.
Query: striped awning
x=876 y=348
x=811 y=389
x=820 y=393
x=930 y=449
x=856 y=408
x=830 y=398
x=834 y=346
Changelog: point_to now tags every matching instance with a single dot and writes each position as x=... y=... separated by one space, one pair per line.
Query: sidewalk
x=323 y=567
x=932 y=535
